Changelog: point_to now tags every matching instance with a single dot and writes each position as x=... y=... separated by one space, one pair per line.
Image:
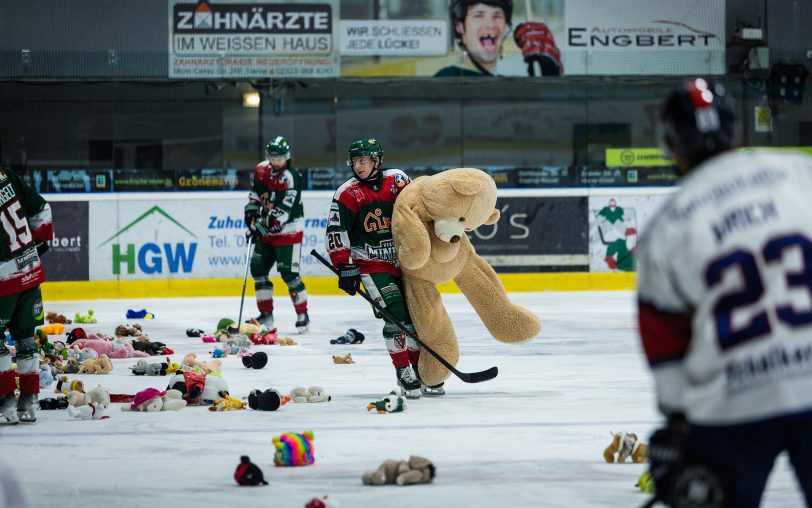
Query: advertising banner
x=536 y=234
x=185 y=238
x=615 y=223
x=394 y=37
x=221 y=39
x=239 y=39
x=67 y=256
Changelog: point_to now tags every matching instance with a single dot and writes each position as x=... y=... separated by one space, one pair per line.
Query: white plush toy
x=90 y=405
x=91 y=411
x=312 y=394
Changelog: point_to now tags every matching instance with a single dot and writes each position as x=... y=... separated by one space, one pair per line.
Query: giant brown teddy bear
x=429 y=222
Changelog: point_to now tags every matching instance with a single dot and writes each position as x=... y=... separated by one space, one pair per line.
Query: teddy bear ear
x=494 y=218
x=466 y=187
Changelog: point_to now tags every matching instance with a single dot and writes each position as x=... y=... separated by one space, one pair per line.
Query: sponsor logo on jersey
x=375 y=222
x=28 y=257
x=384 y=252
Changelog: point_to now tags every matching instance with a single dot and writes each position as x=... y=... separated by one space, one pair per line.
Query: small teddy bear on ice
x=401 y=472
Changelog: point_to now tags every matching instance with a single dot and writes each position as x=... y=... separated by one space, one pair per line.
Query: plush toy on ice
x=90 y=405
x=151 y=400
x=312 y=394
x=429 y=224
x=392 y=403
x=294 y=449
x=626 y=445
x=401 y=472
x=198 y=387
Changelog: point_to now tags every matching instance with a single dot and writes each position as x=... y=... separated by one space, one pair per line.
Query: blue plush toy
x=46 y=377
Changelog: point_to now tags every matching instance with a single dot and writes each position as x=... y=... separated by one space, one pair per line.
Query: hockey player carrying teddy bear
x=426 y=227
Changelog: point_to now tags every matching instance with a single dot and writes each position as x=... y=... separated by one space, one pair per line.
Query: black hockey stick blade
x=467 y=377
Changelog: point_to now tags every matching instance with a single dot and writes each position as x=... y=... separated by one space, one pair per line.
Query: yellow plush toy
x=429 y=222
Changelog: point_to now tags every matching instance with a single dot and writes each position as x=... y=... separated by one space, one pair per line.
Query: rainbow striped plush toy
x=294 y=449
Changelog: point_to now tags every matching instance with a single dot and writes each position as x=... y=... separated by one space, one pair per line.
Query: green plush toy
x=645 y=483
x=392 y=403
x=85 y=319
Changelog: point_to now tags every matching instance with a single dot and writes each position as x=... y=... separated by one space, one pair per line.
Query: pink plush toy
x=117 y=348
x=152 y=400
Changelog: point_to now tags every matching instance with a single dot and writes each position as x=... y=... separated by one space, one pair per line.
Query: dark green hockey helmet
x=278 y=146
x=363 y=147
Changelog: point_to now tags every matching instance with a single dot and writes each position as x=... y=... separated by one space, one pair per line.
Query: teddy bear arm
x=411 y=237
x=410 y=477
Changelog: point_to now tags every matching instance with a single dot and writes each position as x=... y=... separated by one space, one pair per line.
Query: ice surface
x=533 y=436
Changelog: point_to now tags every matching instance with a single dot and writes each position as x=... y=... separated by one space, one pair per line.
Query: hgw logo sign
x=150 y=257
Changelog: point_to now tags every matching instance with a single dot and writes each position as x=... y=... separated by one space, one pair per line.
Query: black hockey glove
x=349 y=277
x=252 y=213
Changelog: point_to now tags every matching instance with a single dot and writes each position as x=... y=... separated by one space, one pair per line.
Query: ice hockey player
x=725 y=294
x=26 y=220
x=274 y=216
x=359 y=242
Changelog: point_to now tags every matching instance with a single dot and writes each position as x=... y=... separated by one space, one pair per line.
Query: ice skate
x=429 y=391
x=265 y=319
x=408 y=383
x=8 y=408
x=26 y=411
x=432 y=391
x=303 y=322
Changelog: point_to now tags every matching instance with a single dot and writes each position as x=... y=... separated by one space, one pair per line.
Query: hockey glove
x=349 y=277
x=259 y=229
x=252 y=212
x=275 y=228
x=539 y=49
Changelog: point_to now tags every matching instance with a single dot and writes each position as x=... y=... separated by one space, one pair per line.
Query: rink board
x=123 y=245
x=169 y=288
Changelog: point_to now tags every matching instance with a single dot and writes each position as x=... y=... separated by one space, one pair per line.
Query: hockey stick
x=467 y=377
x=236 y=329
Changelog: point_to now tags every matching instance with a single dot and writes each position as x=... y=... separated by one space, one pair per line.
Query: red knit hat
x=144 y=396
